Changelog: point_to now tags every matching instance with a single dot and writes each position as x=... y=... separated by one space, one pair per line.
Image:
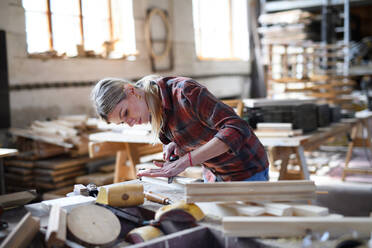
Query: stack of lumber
x=297 y=25
x=276 y=130
x=46 y=174
x=271 y=209
x=64 y=134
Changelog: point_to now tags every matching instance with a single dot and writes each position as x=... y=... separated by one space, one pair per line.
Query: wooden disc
x=93 y=224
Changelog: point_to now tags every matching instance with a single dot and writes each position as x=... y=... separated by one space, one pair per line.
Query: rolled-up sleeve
x=231 y=129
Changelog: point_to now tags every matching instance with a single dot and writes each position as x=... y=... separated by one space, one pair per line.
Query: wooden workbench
x=128 y=145
x=283 y=147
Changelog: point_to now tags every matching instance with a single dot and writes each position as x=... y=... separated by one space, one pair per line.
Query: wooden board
x=61 y=163
x=59 y=172
x=56 y=232
x=60 y=178
x=98 y=179
x=19 y=163
x=6 y=152
x=45 y=185
x=19 y=170
x=23 y=233
x=250 y=191
x=17 y=199
x=290 y=227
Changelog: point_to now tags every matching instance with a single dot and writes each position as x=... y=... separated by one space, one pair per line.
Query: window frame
x=198 y=37
x=51 y=52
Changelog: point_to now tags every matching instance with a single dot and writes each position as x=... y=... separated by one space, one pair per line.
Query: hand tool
x=121 y=195
x=172 y=158
x=92 y=190
x=151 y=196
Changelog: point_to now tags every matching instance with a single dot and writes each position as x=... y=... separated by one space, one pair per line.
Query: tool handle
x=151 y=196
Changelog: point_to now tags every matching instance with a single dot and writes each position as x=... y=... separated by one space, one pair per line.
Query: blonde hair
x=108 y=92
x=148 y=84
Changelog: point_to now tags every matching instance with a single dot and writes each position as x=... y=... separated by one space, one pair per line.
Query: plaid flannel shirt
x=193 y=116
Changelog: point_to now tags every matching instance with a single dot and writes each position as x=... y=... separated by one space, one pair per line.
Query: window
x=221 y=31
x=80 y=27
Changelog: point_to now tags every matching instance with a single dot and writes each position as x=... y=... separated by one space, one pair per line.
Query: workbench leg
x=366 y=126
x=284 y=152
x=354 y=132
x=123 y=171
x=302 y=161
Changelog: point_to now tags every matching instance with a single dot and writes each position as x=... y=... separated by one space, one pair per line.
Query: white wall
x=29 y=105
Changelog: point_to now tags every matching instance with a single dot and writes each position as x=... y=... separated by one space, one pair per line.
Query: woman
x=191 y=123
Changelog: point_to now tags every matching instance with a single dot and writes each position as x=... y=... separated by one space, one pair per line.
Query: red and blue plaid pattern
x=193 y=116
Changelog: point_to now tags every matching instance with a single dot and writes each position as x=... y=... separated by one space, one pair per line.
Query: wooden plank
x=56 y=140
x=61 y=163
x=250 y=191
x=23 y=233
x=56 y=233
x=101 y=149
x=289 y=227
x=277 y=209
x=98 y=179
x=309 y=210
x=62 y=177
x=55 y=173
x=17 y=199
x=19 y=170
x=250 y=198
x=296 y=186
x=278 y=133
x=19 y=163
x=247 y=210
x=274 y=125
x=15 y=177
x=44 y=185
x=7 y=152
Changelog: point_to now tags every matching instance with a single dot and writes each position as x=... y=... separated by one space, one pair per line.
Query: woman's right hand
x=171 y=148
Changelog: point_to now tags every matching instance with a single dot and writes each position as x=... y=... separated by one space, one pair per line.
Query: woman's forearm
x=212 y=149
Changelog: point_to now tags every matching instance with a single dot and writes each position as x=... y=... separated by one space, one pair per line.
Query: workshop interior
x=298 y=73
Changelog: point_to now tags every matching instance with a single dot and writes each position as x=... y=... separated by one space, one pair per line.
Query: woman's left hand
x=167 y=169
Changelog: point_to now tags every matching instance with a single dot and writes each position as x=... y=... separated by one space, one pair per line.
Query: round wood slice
x=93 y=224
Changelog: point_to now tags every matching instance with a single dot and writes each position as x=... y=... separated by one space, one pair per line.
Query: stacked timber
x=68 y=133
x=272 y=209
x=44 y=174
x=51 y=154
x=297 y=25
